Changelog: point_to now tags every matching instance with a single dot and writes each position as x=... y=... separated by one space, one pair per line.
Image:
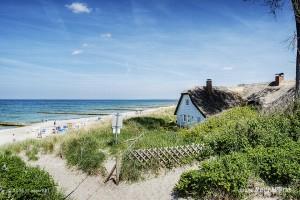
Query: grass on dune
x=87 y=149
x=242 y=143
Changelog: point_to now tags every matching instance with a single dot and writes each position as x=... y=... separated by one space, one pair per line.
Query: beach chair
x=61 y=129
x=43 y=131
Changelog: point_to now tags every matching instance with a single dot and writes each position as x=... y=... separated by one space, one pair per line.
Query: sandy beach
x=48 y=129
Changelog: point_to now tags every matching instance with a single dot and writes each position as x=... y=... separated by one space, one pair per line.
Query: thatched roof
x=212 y=103
x=267 y=97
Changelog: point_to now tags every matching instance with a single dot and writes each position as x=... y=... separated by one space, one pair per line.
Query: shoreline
x=42 y=130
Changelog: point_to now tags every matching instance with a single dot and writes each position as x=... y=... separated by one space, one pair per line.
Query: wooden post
x=116 y=168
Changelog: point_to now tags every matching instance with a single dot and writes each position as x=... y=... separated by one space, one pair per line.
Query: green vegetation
x=243 y=146
x=224 y=176
x=31 y=153
x=246 y=146
x=277 y=165
x=229 y=175
x=32 y=147
x=18 y=181
x=87 y=150
x=84 y=153
x=293 y=193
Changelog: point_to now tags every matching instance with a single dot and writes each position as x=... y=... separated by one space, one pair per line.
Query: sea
x=33 y=111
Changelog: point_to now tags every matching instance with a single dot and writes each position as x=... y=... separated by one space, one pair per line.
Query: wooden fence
x=165 y=156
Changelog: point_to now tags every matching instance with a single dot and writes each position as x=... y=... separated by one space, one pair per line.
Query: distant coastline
x=46 y=128
x=16 y=112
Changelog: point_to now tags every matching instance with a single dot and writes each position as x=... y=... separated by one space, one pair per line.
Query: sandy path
x=94 y=188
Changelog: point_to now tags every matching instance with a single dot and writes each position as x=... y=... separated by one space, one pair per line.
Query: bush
x=226 y=175
x=17 y=181
x=241 y=128
x=267 y=145
x=294 y=117
x=84 y=153
x=277 y=165
x=151 y=123
x=223 y=122
x=268 y=131
x=229 y=140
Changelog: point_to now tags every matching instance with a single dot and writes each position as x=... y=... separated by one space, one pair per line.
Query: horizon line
x=88 y=99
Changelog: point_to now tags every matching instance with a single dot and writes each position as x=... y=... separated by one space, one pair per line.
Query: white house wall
x=189 y=110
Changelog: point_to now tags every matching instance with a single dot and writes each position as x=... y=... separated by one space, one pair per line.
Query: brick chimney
x=279 y=78
x=209 y=86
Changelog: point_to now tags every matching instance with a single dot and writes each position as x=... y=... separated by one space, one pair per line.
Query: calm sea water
x=31 y=111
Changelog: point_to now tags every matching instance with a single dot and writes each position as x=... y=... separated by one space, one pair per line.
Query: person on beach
x=54 y=123
x=14 y=139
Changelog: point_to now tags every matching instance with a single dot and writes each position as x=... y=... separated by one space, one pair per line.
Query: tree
x=274 y=5
x=296 y=7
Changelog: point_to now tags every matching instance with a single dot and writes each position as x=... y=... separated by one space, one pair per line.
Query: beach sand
x=93 y=187
x=33 y=131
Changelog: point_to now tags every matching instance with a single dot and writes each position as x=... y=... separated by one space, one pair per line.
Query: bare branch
x=274 y=5
x=291 y=41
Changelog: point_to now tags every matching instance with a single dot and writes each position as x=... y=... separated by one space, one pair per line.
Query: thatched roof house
x=197 y=104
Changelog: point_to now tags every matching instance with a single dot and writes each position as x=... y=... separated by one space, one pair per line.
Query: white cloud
x=77 y=8
x=85 y=45
x=77 y=52
x=106 y=35
x=227 y=68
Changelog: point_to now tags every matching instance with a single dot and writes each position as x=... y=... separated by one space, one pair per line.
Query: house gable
x=187 y=112
x=180 y=103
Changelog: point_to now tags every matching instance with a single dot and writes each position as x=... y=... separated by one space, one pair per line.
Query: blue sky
x=128 y=49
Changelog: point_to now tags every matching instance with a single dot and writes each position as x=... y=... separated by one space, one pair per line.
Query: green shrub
x=229 y=140
x=294 y=117
x=84 y=153
x=17 y=181
x=151 y=123
x=241 y=128
x=225 y=121
x=268 y=131
x=277 y=165
x=226 y=175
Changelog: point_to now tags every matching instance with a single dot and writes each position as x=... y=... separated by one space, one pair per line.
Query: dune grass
x=87 y=149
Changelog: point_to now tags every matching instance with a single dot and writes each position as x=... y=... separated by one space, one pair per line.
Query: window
x=184 y=118
x=187 y=102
